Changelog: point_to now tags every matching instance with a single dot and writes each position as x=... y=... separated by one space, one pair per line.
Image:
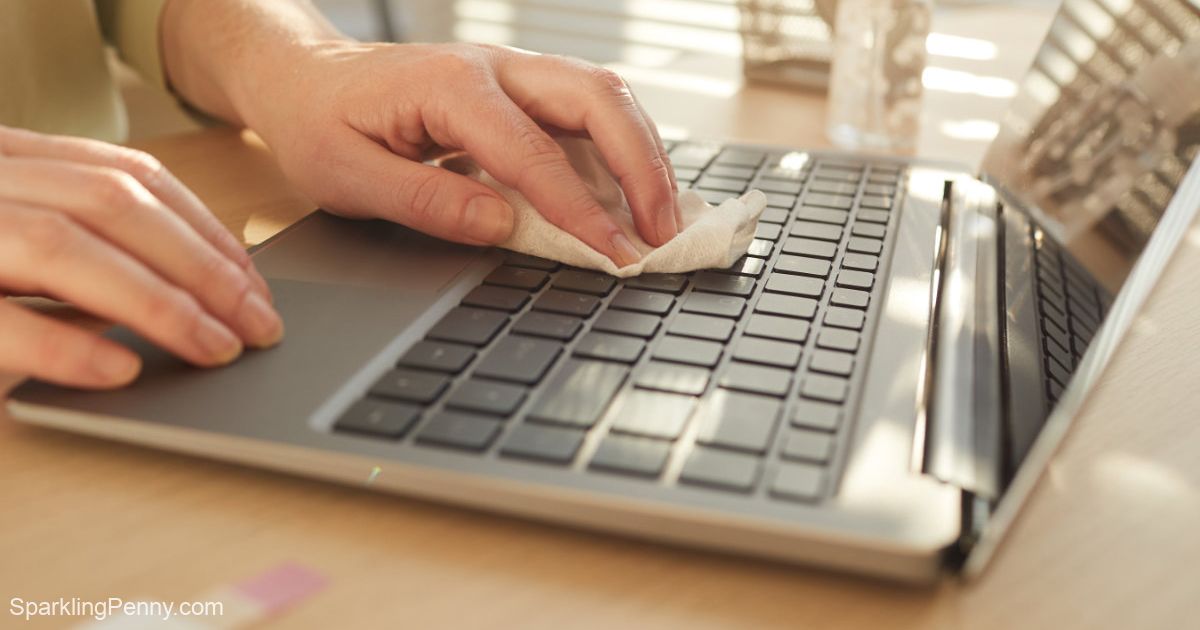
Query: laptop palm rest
x=345 y=291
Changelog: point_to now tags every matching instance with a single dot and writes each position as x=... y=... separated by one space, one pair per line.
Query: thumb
x=377 y=183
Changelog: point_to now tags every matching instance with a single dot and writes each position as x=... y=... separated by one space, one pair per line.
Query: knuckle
x=62 y=354
x=608 y=83
x=419 y=194
x=48 y=235
x=173 y=310
x=115 y=191
x=221 y=283
x=141 y=165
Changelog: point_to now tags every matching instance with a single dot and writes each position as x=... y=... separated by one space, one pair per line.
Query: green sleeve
x=131 y=26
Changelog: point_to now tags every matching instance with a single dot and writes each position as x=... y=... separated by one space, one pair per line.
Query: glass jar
x=875 y=86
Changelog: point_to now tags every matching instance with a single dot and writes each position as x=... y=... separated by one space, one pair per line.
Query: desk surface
x=1107 y=540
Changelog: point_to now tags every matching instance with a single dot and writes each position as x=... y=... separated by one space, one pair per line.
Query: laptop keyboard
x=1071 y=306
x=738 y=380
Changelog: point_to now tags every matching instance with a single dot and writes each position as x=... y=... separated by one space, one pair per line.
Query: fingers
x=519 y=154
x=44 y=252
x=53 y=351
x=575 y=95
x=375 y=182
x=115 y=206
x=148 y=171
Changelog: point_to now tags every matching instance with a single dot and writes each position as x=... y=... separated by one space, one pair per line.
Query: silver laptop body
x=885 y=377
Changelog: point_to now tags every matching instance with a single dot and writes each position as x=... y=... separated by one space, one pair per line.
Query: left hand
x=350 y=124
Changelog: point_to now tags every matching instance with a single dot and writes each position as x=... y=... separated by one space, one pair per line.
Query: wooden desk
x=1108 y=539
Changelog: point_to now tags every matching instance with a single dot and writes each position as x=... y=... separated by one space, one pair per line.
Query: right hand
x=111 y=231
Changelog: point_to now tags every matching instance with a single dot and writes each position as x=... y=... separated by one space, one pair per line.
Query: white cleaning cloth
x=710 y=237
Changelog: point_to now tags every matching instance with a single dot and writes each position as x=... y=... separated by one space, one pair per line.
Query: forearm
x=218 y=54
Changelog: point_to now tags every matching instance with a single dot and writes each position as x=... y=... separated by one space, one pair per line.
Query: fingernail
x=667 y=227
x=260 y=321
x=116 y=367
x=260 y=283
x=216 y=341
x=488 y=219
x=627 y=254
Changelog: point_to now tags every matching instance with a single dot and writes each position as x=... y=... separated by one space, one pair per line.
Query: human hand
x=350 y=124
x=111 y=231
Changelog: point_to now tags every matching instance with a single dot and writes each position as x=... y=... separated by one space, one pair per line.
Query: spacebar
x=579 y=393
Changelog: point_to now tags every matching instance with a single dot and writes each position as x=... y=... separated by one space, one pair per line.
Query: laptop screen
x=1105 y=126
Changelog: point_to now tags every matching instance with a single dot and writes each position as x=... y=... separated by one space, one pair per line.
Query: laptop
x=875 y=387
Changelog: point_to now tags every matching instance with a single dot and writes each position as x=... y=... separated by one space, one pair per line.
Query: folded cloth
x=710 y=237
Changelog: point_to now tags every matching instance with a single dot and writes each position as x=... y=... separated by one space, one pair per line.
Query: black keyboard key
x=816 y=415
x=779 y=186
x=672 y=378
x=786 y=305
x=438 y=356
x=826 y=200
x=774 y=215
x=652 y=413
x=379 y=418
x=864 y=245
x=459 y=430
x=833 y=187
x=714 y=197
x=768 y=231
x=725 y=170
x=606 y=347
x=767 y=352
x=701 y=326
x=780 y=200
x=760 y=248
x=549 y=325
x=713 y=282
x=804 y=266
x=567 y=303
x=842 y=317
x=832 y=362
x=585 y=282
x=870 y=230
x=695 y=156
x=1057 y=372
x=773 y=327
x=876 y=201
x=810 y=247
x=499 y=298
x=471 y=326
x=823 y=215
x=531 y=262
x=1057 y=352
x=756 y=379
x=522 y=360
x=811 y=446
x=1056 y=333
x=796 y=285
x=556 y=445
x=745 y=266
x=627 y=323
x=720 y=469
x=631 y=455
x=691 y=351
x=819 y=231
x=643 y=301
x=860 y=262
x=798 y=482
x=661 y=282
x=579 y=392
x=487 y=397
x=851 y=298
x=741 y=157
x=827 y=388
x=517 y=278
x=708 y=182
x=713 y=304
x=834 y=339
x=410 y=385
x=873 y=216
x=738 y=421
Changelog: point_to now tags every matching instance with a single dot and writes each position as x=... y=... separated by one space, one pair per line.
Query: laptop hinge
x=963 y=445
